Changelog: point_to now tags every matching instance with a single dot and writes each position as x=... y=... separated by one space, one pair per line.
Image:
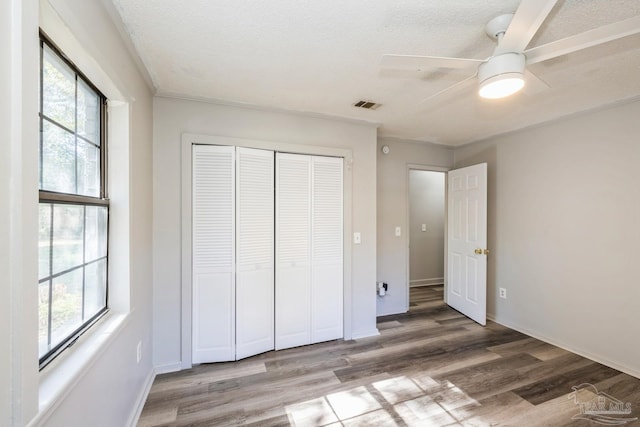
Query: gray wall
x=393 y=205
x=172 y=118
x=563 y=231
x=426 y=206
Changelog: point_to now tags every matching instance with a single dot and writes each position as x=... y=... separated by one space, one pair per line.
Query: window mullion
x=75 y=133
x=103 y=149
x=57 y=124
x=84 y=257
x=50 y=303
x=41 y=123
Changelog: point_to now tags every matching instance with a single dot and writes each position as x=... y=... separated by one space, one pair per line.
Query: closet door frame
x=188 y=140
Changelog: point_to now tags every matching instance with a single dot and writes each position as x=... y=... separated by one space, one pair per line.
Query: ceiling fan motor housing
x=506 y=63
x=501 y=76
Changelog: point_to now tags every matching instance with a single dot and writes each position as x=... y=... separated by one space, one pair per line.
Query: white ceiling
x=323 y=56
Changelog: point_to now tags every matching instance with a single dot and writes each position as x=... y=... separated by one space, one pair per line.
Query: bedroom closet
x=267 y=251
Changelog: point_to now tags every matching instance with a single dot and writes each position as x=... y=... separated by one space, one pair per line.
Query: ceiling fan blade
x=533 y=84
x=420 y=63
x=451 y=90
x=584 y=40
x=524 y=25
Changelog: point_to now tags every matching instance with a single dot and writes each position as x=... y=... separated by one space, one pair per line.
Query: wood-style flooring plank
x=431 y=366
x=556 y=386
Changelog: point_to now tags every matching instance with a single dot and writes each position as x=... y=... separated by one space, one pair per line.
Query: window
x=74 y=207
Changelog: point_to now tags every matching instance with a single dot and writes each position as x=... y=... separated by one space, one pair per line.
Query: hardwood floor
x=429 y=367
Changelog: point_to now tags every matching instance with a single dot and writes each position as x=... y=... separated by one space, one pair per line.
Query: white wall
x=172 y=118
x=426 y=206
x=393 y=204
x=563 y=232
x=18 y=213
x=108 y=392
x=6 y=148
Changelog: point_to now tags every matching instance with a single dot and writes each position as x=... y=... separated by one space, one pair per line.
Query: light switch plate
x=357 y=238
x=424 y=227
x=398 y=231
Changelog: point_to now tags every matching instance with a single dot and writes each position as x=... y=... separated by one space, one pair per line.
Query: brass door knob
x=478 y=251
x=486 y=251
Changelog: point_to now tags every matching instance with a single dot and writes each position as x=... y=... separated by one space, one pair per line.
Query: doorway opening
x=427 y=234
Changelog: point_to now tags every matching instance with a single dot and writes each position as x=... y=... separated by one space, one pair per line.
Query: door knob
x=478 y=251
x=486 y=251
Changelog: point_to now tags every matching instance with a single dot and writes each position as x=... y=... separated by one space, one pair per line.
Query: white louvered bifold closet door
x=309 y=248
x=293 y=250
x=326 y=249
x=254 y=252
x=213 y=188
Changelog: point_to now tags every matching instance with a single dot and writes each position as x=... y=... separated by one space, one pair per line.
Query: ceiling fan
x=504 y=72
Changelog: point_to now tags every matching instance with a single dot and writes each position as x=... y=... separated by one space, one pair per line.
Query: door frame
x=189 y=139
x=426 y=168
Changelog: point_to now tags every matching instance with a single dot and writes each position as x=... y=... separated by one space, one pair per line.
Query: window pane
x=58 y=90
x=66 y=305
x=44 y=240
x=68 y=225
x=88 y=169
x=88 y=113
x=43 y=318
x=95 y=288
x=95 y=233
x=58 y=159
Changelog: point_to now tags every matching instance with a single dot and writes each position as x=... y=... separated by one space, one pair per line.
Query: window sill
x=61 y=375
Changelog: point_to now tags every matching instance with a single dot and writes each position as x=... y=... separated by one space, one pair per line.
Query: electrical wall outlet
x=139 y=352
x=503 y=293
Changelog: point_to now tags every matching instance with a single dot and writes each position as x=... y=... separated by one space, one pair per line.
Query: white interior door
x=467 y=241
x=254 y=252
x=293 y=250
x=213 y=276
x=326 y=249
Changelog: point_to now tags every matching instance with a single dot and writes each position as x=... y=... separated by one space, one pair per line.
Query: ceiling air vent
x=367 y=105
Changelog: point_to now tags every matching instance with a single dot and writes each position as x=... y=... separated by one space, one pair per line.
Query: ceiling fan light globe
x=501 y=86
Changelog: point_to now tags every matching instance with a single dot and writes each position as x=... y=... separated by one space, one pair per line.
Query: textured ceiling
x=322 y=56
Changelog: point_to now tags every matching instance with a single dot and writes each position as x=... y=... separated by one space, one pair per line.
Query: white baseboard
x=168 y=367
x=426 y=282
x=142 y=398
x=391 y=311
x=581 y=352
x=371 y=333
